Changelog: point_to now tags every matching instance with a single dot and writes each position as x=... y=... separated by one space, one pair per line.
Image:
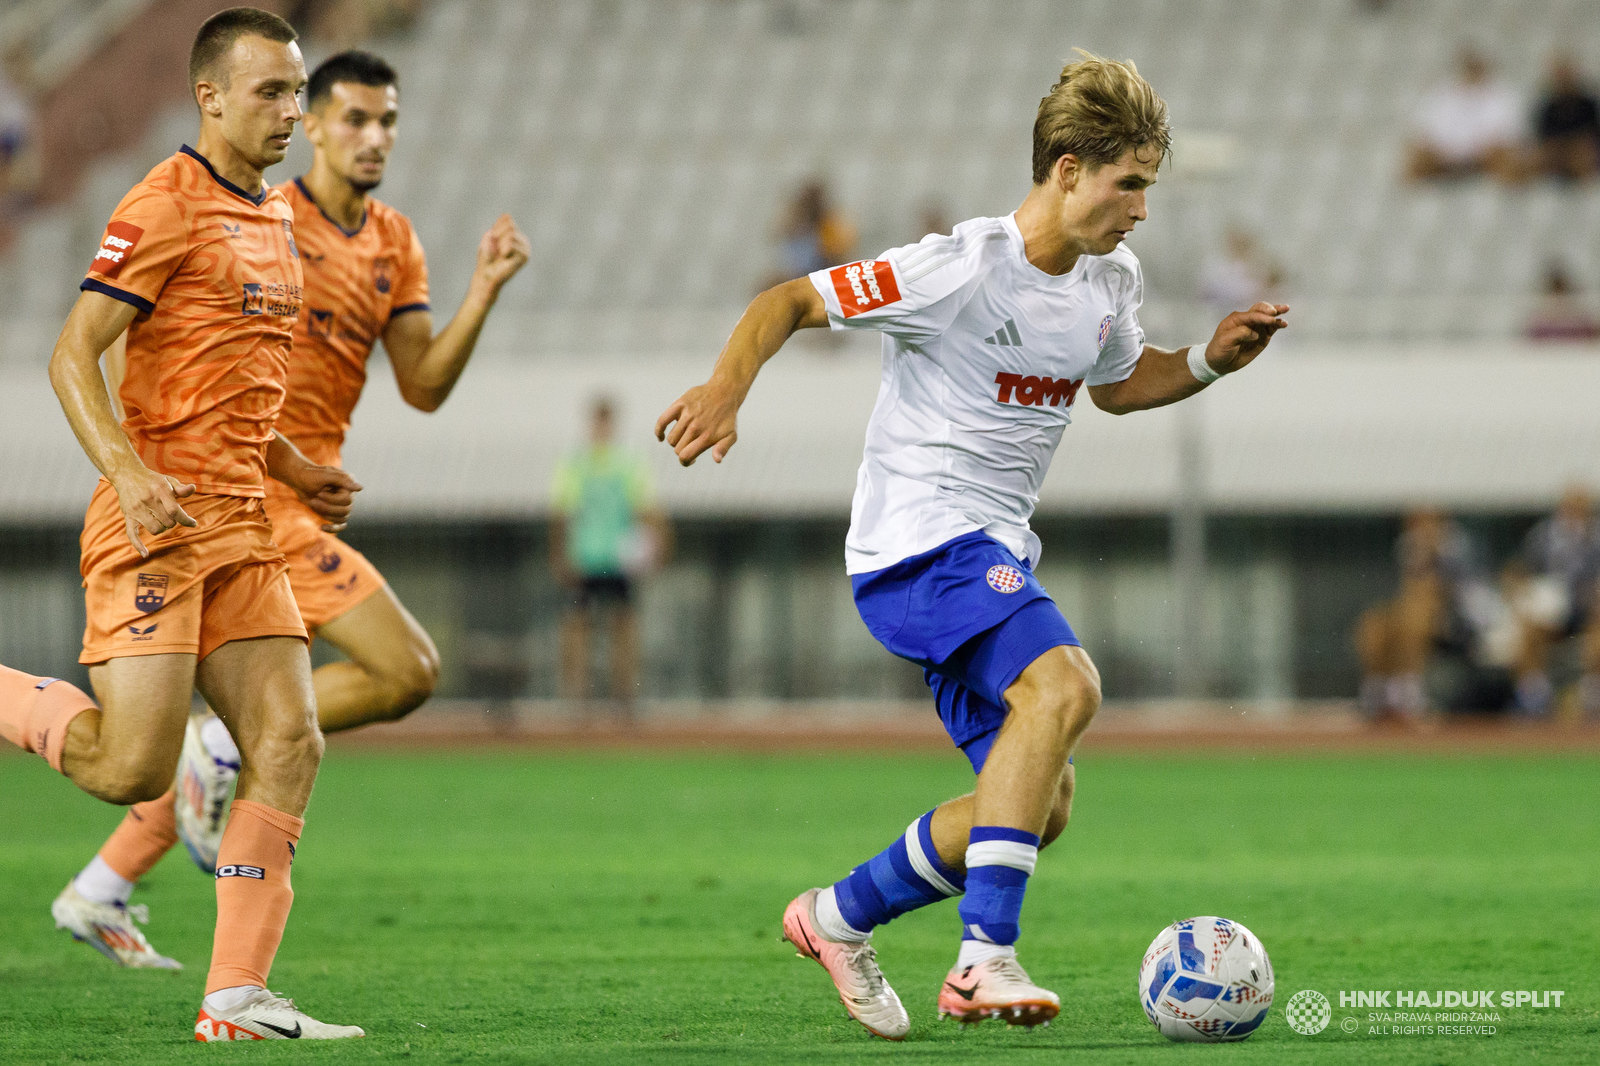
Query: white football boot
x=267 y=1016
x=204 y=784
x=109 y=929
x=999 y=988
x=853 y=967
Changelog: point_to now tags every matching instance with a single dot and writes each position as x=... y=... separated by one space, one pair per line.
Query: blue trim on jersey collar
x=224 y=182
x=347 y=232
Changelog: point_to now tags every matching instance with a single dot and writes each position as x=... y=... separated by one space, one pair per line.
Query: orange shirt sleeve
x=144 y=244
x=411 y=293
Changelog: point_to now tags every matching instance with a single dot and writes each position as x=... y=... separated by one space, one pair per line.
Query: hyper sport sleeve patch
x=118 y=244
x=864 y=286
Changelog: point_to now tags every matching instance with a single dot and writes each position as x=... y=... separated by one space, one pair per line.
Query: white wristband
x=1199 y=367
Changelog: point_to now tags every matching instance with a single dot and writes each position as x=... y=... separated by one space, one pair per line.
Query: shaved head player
x=365 y=280
x=183 y=584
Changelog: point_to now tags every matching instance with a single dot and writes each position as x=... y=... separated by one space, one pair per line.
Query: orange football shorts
x=201 y=587
x=328 y=576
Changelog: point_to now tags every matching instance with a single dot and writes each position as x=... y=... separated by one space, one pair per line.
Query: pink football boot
x=853 y=967
x=998 y=988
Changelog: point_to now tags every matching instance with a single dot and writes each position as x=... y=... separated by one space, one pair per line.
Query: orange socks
x=253 y=893
x=35 y=712
x=147 y=832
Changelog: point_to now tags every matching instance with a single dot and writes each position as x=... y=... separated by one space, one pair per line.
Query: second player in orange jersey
x=365 y=280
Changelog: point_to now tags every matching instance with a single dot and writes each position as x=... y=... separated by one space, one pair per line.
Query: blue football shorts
x=973 y=616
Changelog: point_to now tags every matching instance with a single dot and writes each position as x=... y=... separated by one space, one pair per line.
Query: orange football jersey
x=356 y=281
x=216 y=277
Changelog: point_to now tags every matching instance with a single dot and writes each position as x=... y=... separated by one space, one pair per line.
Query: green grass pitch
x=624 y=908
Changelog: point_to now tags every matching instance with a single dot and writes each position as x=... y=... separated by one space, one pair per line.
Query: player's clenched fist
x=150 y=500
x=1243 y=335
x=328 y=491
x=705 y=417
x=502 y=252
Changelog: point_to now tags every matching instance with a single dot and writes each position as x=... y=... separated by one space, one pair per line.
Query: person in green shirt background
x=607 y=531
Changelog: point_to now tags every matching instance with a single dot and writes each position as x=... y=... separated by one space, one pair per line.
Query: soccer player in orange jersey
x=184 y=586
x=365 y=280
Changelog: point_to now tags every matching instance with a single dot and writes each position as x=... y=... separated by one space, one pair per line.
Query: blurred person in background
x=1470 y=126
x=1562 y=314
x=1553 y=584
x=345 y=24
x=19 y=172
x=815 y=234
x=1567 y=125
x=607 y=532
x=1241 y=275
x=932 y=218
x=1446 y=604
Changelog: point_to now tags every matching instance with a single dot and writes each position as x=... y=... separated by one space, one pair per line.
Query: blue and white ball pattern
x=1206 y=980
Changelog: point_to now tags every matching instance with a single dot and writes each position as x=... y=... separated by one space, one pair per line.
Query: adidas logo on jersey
x=1032 y=391
x=1007 y=336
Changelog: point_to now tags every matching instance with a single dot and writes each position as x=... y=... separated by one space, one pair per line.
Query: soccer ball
x=1206 y=979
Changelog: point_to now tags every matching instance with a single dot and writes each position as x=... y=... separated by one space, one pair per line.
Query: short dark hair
x=219 y=32
x=362 y=68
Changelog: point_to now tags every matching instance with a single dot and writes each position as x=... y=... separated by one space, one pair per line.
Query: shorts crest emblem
x=150 y=593
x=1003 y=578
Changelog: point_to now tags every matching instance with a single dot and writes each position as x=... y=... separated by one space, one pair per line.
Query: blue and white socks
x=909 y=874
x=903 y=877
x=999 y=862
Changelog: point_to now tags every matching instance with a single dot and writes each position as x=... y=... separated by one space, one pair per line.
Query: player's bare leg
x=262 y=689
x=1023 y=796
x=624 y=653
x=575 y=653
x=126 y=750
x=121 y=751
x=1050 y=705
x=393 y=665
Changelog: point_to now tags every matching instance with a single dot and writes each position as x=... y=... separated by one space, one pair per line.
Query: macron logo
x=115 y=248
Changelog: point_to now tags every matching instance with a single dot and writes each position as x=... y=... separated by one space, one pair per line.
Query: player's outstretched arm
x=148 y=499
x=427 y=367
x=327 y=490
x=706 y=417
x=1161 y=377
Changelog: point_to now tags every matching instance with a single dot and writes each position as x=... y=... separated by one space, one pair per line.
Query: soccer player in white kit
x=988 y=336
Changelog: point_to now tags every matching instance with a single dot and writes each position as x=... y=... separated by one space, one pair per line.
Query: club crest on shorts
x=1003 y=578
x=1105 y=329
x=151 y=592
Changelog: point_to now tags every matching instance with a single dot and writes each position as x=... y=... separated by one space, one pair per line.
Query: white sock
x=99 y=883
x=219 y=742
x=831 y=924
x=226 y=999
x=975 y=951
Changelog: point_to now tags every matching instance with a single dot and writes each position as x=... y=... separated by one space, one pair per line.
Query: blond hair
x=1097 y=111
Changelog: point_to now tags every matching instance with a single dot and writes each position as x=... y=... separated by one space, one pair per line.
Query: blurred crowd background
x=1367 y=519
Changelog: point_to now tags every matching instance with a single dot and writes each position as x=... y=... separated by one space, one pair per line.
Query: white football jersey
x=983 y=357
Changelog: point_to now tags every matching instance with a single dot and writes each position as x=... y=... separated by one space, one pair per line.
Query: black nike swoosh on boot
x=293 y=1034
x=806 y=937
x=964 y=993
